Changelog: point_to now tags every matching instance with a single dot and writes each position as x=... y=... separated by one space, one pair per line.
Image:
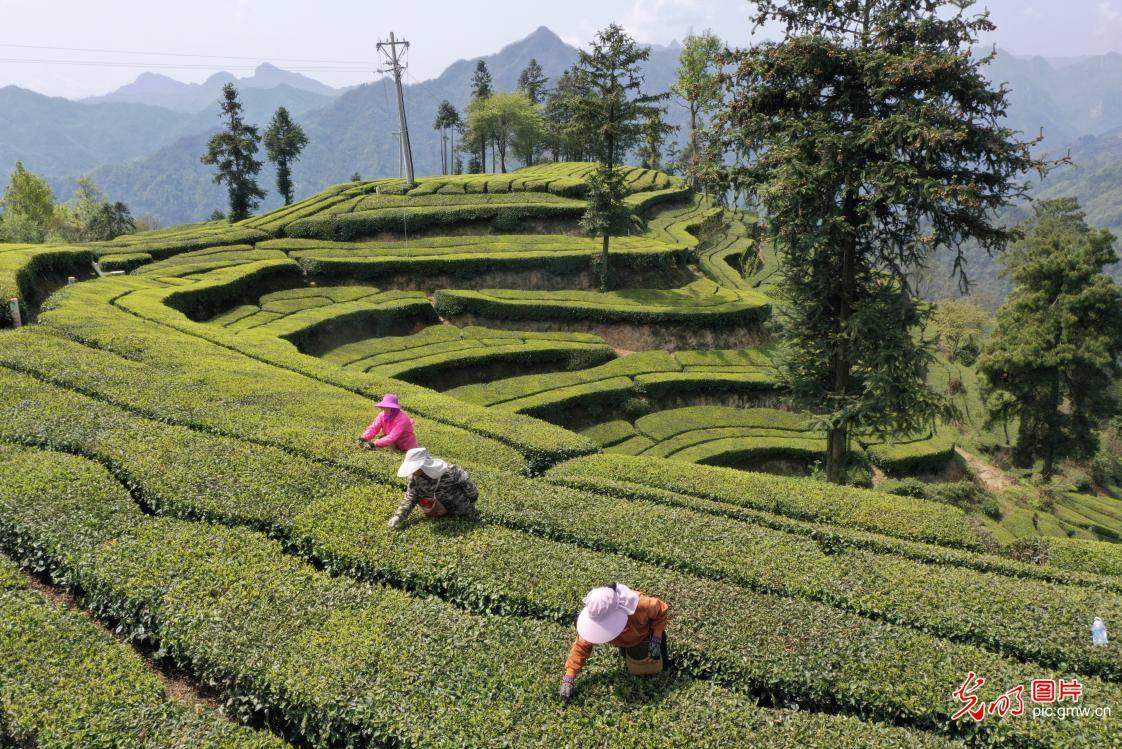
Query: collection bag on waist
x=639 y=662
x=432 y=507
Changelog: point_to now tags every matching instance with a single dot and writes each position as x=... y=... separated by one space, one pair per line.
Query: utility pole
x=395 y=65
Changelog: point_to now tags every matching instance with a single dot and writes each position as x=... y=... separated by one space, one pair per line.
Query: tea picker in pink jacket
x=393 y=424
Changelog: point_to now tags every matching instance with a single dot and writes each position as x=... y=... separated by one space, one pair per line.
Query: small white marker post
x=70 y=280
x=17 y=321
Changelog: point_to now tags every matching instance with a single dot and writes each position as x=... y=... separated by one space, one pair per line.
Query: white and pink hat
x=605 y=613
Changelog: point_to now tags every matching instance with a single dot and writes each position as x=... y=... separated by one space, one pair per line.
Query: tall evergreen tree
x=481 y=88
x=284 y=140
x=560 y=104
x=872 y=138
x=532 y=81
x=1058 y=340
x=655 y=132
x=610 y=116
x=699 y=87
x=233 y=151
x=111 y=220
x=447 y=118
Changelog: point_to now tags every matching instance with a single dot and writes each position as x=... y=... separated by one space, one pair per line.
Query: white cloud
x=663 y=20
x=1108 y=14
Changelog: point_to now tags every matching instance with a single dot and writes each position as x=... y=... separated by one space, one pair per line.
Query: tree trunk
x=838 y=438
x=452 y=149
x=1048 y=470
x=693 y=144
x=604 y=264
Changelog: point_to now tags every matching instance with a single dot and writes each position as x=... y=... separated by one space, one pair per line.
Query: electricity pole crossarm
x=395 y=65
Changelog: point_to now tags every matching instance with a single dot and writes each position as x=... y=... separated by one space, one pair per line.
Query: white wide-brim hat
x=605 y=613
x=419 y=459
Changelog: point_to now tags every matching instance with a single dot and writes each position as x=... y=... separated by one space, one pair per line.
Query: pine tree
x=562 y=138
x=1055 y=353
x=533 y=81
x=447 y=119
x=233 y=151
x=872 y=139
x=284 y=140
x=655 y=132
x=609 y=117
x=481 y=88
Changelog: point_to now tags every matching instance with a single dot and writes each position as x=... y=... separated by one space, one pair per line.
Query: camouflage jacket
x=454 y=489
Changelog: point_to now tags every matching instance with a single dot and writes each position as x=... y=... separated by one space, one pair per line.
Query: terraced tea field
x=177 y=466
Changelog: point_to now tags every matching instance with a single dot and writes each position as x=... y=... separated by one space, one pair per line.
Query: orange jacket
x=649 y=619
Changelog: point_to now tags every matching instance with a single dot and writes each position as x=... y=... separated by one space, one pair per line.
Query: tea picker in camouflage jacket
x=440 y=488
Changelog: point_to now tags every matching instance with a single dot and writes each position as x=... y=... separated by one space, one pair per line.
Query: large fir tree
x=233 y=151
x=872 y=138
x=284 y=140
x=481 y=88
x=1058 y=339
x=610 y=117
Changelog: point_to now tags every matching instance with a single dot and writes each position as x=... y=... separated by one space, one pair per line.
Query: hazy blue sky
x=333 y=40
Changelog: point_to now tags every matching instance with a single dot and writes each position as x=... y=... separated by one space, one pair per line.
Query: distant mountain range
x=161 y=91
x=142 y=142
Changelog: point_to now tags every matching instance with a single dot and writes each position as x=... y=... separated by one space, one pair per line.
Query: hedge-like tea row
x=793 y=649
x=1027 y=618
x=443 y=339
x=245 y=483
x=833 y=536
x=720 y=435
x=654 y=373
x=926 y=454
x=442 y=351
x=83 y=312
x=226 y=287
x=346 y=226
x=164 y=245
x=315 y=327
x=700 y=303
x=903 y=517
x=1099 y=557
x=610 y=432
x=476 y=254
x=665 y=425
x=27 y=272
x=66 y=682
x=204 y=261
x=126 y=261
x=337 y=663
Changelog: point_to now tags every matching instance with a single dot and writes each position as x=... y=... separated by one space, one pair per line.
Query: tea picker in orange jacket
x=623 y=618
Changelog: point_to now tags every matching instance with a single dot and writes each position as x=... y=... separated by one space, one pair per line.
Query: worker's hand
x=567 y=688
x=361 y=442
x=395 y=523
x=655 y=648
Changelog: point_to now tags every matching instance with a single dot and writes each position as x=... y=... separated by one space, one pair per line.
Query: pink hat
x=389 y=401
x=605 y=613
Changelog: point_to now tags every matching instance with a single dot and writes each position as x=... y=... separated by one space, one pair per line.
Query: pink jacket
x=398 y=429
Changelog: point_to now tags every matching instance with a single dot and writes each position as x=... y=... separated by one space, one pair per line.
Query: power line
x=364 y=63
x=174 y=66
